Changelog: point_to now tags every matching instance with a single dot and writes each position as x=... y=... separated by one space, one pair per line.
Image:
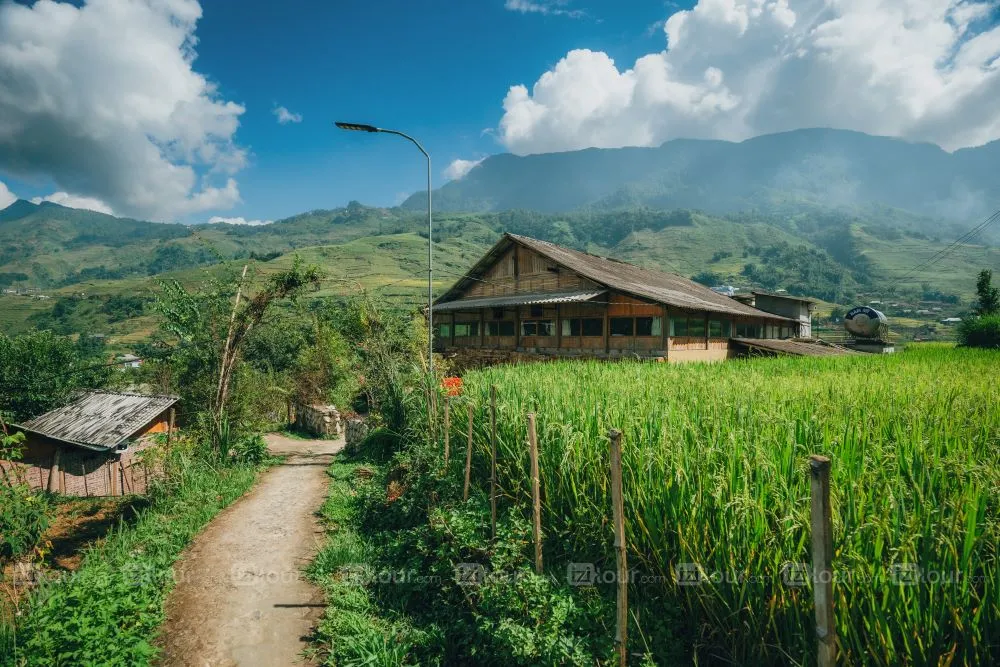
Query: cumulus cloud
x=925 y=70
x=73 y=201
x=215 y=220
x=285 y=116
x=459 y=168
x=554 y=7
x=103 y=99
x=6 y=196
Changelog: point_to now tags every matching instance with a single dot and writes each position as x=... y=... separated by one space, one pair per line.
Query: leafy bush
x=980 y=332
x=23 y=519
x=250 y=450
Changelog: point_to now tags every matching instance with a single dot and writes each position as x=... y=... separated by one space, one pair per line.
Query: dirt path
x=240 y=597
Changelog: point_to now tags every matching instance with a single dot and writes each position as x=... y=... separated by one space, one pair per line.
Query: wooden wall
x=521 y=270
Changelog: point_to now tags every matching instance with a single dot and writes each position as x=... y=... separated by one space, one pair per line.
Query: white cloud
x=285 y=116
x=920 y=69
x=6 y=196
x=459 y=168
x=215 y=220
x=103 y=100
x=73 y=201
x=553 y=7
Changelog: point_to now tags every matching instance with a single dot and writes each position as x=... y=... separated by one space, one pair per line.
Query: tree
x=988 y=296
x=39 y=370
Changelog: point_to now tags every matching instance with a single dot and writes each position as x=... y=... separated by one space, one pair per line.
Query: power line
x=941 y=254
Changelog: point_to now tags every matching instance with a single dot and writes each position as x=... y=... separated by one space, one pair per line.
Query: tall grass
x=716 y=474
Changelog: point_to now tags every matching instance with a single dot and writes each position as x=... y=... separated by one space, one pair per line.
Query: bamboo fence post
x=822 y=556
x=618 y=511
x=493 y=461
x=447 y=429
x=536 y=492
x=54 y=471
x=170 y=427
x=468 y=454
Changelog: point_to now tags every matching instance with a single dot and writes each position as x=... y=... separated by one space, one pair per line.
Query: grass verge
x=108 y=611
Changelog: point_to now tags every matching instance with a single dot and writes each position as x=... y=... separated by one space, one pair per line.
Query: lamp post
x=359 y=127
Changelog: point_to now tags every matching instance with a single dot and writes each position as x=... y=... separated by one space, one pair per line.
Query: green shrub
x=23 y=519
x=980 y=332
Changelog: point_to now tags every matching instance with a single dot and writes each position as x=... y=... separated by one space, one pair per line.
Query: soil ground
x=241 y=597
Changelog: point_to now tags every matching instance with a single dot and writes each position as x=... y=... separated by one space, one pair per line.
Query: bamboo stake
x=493 y=461
x=468 y=454
x=536 y=494
x=822 y=556
x=447 y=428
x=618 y=510
x=170 y=427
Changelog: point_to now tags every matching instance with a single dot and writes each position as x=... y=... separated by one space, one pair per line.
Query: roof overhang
x=542 y=298
x=83 y=445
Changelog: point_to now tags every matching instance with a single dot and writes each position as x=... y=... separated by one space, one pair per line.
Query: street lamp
x=360 y=127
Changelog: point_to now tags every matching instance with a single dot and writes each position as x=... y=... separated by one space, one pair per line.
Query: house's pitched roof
x=797 y=348
x=99 y=420
x=666 y=288
x=782 y=295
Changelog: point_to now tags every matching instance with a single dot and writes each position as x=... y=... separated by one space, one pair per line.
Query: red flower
x=452 y=386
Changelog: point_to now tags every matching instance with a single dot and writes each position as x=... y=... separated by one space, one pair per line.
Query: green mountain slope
x=774 y=173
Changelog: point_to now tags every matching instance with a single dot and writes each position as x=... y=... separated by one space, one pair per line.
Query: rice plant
x=715 y=461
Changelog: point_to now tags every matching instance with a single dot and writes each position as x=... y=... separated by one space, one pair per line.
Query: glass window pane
x=696 y=327
x=678 y=326
x=715 y=329
x=566 y=327
x=657 y=329
x=592 y=326
x=546 y=328
x=529 y=328
x=644 y=326
x=506 y=328
x=727 y=328
x=621 y=326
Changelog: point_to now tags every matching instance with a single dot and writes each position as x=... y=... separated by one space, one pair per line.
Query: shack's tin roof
x=99 y=420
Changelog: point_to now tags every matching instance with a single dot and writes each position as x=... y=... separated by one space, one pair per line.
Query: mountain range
x=814 y=167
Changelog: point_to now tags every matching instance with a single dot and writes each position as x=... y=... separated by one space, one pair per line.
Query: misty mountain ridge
x=803 y=168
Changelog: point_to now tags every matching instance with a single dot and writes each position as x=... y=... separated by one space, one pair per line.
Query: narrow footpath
x=241 y=598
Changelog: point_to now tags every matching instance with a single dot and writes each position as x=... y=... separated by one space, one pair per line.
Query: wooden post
x=559 y=326
x=170 y=427
x=664 y=332
x=468 y=455
x=618 y=511
x=447 y=428
x=493 y=461
x=822 y=557
x=62 y=481
x=536 y=491
x=113 y=472
x=86 y=489
x=607 y=328
x=54 y=471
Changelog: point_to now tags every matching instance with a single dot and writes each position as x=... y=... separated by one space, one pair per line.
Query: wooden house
x=528 y=298
x=89 y=447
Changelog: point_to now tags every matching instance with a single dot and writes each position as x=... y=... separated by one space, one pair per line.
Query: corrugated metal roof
x=519 y=300
x=99 y=419
x=798 y=348
x=666 y=288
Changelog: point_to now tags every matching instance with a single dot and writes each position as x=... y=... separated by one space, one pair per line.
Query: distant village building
x=796 y=308
x=529 y=299
x=129 y=361
x=89 y=446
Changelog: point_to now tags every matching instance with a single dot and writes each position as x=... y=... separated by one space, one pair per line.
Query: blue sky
x=172 y=109
x=436 y=70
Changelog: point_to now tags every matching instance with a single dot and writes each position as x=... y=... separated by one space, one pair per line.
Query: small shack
x=89 y=446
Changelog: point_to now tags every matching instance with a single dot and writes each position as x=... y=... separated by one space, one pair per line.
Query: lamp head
x=357 y=127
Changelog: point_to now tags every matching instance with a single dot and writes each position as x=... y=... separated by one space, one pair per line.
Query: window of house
x=648 y=326
x=696 y=327
x=714 y=329
x=622 y=326
x=678 y=326
x=592 y=326
x=570 y=327
x=538 y=328
x=501 y=328
x=466 y=329
x=443 y=330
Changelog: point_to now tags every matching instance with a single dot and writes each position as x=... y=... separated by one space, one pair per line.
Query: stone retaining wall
x=319 y=420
